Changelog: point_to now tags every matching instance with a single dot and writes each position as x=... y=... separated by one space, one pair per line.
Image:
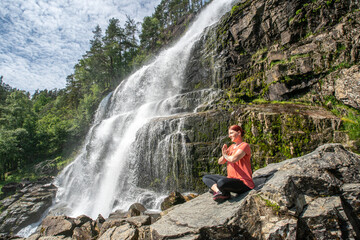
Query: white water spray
x=99 y=180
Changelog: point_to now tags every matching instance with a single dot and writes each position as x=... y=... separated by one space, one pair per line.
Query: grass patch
x=340 y=66
x=352 y=125
x=273 y=205
x=259 y=53
x=350 y=117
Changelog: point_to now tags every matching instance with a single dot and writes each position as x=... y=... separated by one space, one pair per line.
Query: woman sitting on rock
x=239 y=172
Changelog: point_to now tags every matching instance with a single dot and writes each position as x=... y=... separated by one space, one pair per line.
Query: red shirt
x=242 y=168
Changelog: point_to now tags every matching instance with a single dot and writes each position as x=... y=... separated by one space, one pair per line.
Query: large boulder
x=26 y=206
x=173 y=199
x=314 y=196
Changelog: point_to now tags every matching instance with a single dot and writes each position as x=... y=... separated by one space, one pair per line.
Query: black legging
x=225 y=185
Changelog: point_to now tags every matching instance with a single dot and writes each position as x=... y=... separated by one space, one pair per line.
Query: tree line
x=50 y=123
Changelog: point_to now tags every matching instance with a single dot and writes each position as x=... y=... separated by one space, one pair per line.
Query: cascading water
x=104 y=176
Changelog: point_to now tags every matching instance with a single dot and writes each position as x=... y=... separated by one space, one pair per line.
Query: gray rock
x=111 y=223
x=139 y=221
x=26 y=207
x=309 y=196
x=81 y=234
x=347 y=86
x=57 y=225
x=126 y=232
x=141 y=208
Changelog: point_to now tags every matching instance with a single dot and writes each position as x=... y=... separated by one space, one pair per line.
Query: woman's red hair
x=237 y=128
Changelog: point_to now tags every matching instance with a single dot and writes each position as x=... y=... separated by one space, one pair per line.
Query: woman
x=237 y=157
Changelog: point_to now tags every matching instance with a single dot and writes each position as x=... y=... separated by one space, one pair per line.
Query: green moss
x=277 y=62
x=298 y=11
x=317 y=9
x=350 y=116
x=259 y=52
x=197 y=86
x=271 y=204
x=289 y=60
x=308 y=35
x=351 y=124
x=241 y=76
x=234 y=9
x=260 y=101
x=340 y=47
x=340 y=66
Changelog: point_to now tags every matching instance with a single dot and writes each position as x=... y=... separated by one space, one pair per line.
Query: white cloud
x=41 y=40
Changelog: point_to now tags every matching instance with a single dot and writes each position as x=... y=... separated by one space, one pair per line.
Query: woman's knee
x=204 y=178
x=207 y=180
x=221 y=183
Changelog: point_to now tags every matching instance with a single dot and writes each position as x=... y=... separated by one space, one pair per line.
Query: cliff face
x=280 y=50
x=288 y=73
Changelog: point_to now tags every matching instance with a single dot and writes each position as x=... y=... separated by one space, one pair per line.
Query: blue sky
x=42 y=40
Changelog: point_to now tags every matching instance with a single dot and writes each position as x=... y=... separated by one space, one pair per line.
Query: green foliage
x=350 y=117
x=259 y=52
x=317 y=9
x=352 y=125
x=158 y=29
x=273 y=205
x=234 y=9
x=340 y=47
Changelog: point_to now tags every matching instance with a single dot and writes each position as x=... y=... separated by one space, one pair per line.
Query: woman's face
x=234 y=135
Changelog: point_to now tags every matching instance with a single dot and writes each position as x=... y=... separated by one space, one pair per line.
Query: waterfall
x=112 y=172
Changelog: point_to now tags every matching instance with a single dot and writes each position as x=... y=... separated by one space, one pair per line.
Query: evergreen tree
x=113 y=50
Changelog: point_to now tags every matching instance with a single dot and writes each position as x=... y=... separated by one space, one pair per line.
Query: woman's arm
x=239 y=154
x=221 y=160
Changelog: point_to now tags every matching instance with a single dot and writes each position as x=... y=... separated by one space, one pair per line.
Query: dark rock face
x=291 y=129
x=311 y=197
x=173 y=199
x=281 y=50
x=192 y=137
x=275 y=132
x=347 y=90
x=26 y=206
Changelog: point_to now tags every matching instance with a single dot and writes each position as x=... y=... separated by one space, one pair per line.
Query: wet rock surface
x=26 y=206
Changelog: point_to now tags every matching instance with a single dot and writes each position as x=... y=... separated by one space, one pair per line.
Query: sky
x=42 y=40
